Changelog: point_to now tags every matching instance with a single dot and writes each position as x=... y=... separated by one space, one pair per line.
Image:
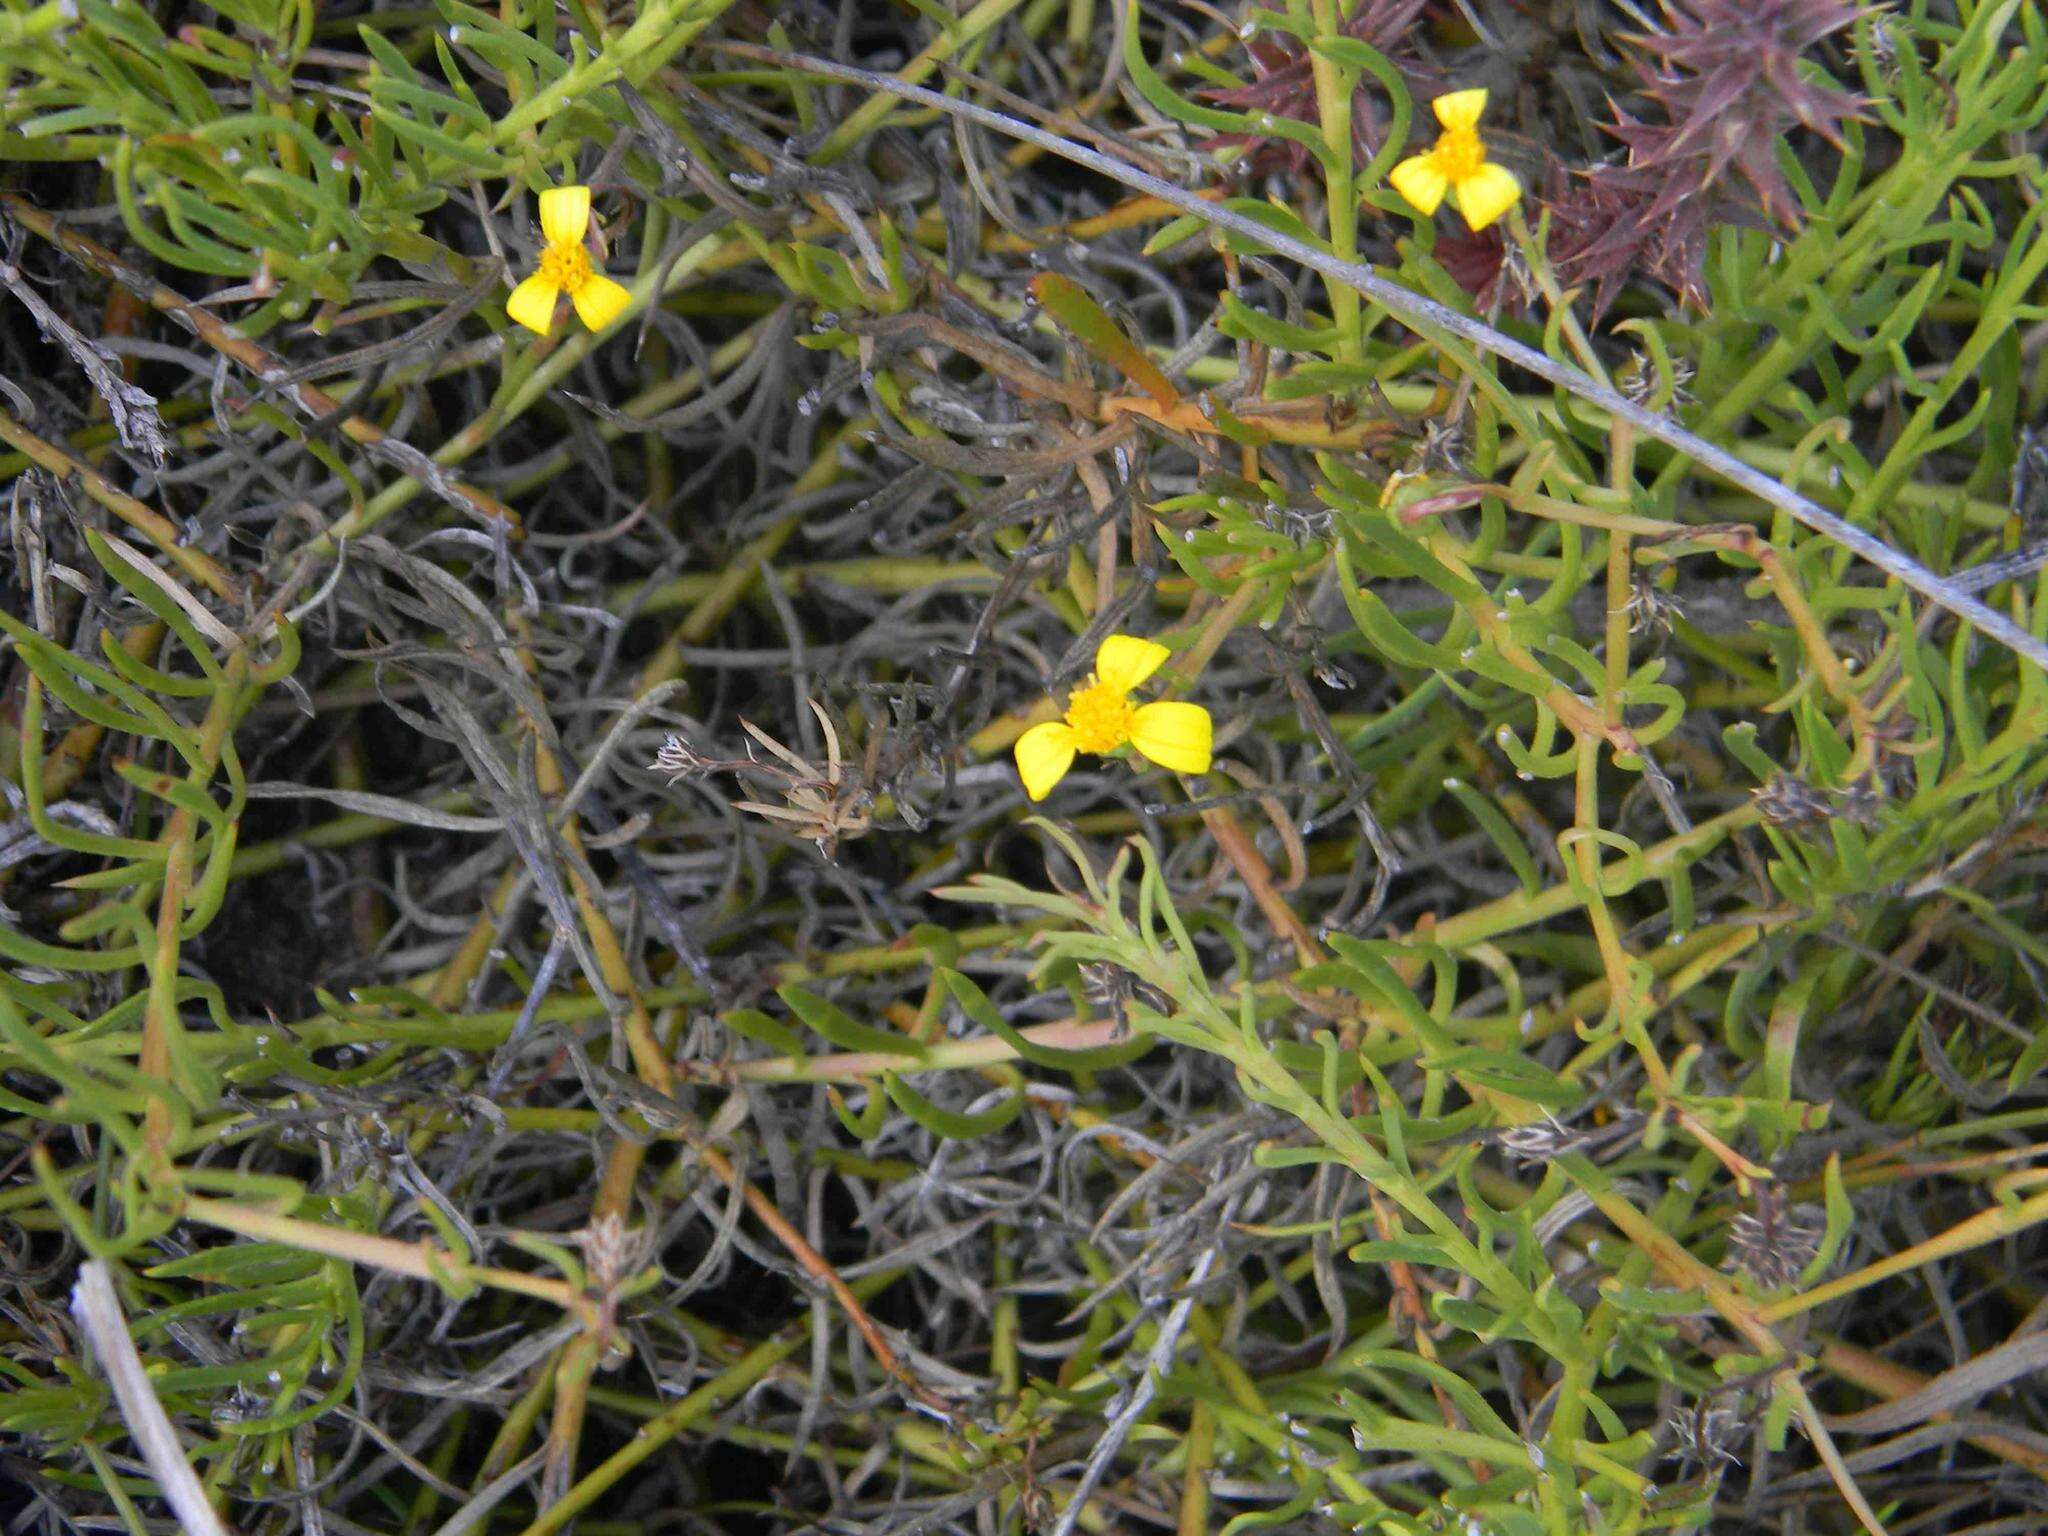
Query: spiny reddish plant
x=1611 y=224
x=1285 y=86
x=1727 y=77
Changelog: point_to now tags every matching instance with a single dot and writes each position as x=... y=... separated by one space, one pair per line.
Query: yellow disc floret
x=1101 y=717
x=566 y=266
x=1459 y=154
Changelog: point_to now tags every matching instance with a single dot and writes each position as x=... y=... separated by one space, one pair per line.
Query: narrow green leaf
x=840 y=1028
x=954 y=1125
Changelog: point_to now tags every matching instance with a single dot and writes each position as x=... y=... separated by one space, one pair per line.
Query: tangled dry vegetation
x=531 y=992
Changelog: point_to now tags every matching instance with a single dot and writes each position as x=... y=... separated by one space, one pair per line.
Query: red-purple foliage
x=1607 y=226
x=1726 y=75
x=1477 y=262
x=1284 y=83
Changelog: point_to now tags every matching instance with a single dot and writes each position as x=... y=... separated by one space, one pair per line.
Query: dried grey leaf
x=132 y=408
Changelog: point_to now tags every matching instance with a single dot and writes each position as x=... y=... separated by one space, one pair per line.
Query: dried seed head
x=1539 y=1141
x=1111 y=990
x=1548 y=1138
x=2029 y=497
x=1299 y=523
x=1440 y=450
x=678 y=759
x=1774 y=1245
x=1107 y=987
x=825 y=802
x=1639 y=379
x=1708 y=1434
x=1859 y=803
x=1651 y=610
x=1792 y=803
x=1035 y=1508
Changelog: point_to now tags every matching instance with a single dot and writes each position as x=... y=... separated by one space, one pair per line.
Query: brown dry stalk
x=1257 y=874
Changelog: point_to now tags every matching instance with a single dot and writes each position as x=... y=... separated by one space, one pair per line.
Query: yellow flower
x=1101 y=718
x=1457 y=164
x=565 y=268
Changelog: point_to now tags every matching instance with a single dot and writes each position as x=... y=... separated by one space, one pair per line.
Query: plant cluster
x=966 y=853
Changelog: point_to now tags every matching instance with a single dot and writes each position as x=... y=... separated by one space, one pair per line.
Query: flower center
x=1459 y=153
x=566 y=266
x=1100 y=716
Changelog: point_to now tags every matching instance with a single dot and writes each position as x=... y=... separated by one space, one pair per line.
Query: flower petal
x=1124 y=661
x=1044 y=754
x=1487 y=193
x=1418 y=179
x=1174 y=735
x=565 y=214
x=1460 y=109
x=600 y=301
x=533 y=304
